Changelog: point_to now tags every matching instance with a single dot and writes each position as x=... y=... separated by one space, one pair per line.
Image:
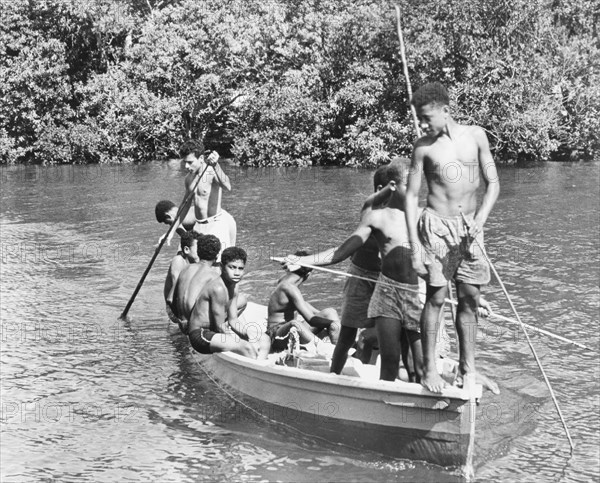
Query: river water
x=87 y=397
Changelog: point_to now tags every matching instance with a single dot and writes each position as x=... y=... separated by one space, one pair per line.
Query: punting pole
x=479 y=244
x=405 y=70
x=160 y=245
x=448 y=300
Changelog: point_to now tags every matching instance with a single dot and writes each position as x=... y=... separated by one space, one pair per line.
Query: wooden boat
x=399 y=418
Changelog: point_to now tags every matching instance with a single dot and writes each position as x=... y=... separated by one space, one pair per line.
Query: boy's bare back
x=213 y=294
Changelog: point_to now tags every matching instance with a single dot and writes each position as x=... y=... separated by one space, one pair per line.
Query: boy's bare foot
x=433 y=382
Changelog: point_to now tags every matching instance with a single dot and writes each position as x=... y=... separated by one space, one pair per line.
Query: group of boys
x=396 y=247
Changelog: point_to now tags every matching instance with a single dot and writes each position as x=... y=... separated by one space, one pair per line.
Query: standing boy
x=365 y=263
x=394 y=304
x=214 y=325
x=210 y=217
x=454 y=158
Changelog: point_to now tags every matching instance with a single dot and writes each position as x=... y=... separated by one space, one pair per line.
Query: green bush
x=291 y=83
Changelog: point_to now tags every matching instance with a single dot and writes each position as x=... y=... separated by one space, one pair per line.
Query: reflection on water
x=88 y=397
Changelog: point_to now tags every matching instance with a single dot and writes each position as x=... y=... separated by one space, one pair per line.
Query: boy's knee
x=265 y=341
x=436 y=300
x=330 y=313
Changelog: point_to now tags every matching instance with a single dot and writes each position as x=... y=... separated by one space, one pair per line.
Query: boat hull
x=398 y=419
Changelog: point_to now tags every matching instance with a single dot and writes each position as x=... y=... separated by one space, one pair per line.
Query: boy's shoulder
x=424 y=142
x=473 y=130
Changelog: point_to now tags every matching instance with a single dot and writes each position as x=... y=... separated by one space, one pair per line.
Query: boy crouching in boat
x=285 y=301
x=214 y=325
x=194 y=277
x=186 y=256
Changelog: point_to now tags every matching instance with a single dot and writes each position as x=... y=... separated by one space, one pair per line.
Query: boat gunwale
x=396 y=387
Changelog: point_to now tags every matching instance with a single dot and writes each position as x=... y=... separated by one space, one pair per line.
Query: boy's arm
x=173 y=274
x=232 y=317
x=302 y=306
x=218 y=301
x=380 y=197
x=490 y=177
x=331 y=256
x=220 y=175
x=411 y=210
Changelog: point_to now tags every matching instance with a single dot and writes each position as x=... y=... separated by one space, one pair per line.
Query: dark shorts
x=357 y=295
x=449 y=254
x=200 y=340
x=280 y=336
x=319 y=322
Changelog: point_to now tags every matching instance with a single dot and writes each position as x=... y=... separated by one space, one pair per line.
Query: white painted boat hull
x=398 y=418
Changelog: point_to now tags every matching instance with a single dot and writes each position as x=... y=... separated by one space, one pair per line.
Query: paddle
x=448 y=300
x=160 y=245
x=487 y=259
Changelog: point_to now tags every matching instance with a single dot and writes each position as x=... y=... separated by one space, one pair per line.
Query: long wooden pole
x=512 y=306
x=448 y=300
x=160 y=245
x=405 y=70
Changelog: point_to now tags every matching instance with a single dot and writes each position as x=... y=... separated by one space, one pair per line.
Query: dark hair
x=432 y=92
x=396 y=170
x=233 y=253
x=209 y=247
x=191 y=147
x=302 y=271
x=188 y=237
x=162 y=208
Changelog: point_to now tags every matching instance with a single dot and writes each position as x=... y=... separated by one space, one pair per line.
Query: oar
x=160 y=245
x=512 y=306
x=448 y=300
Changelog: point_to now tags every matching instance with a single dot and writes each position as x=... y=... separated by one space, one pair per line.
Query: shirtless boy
x=166 y=212
x=210 y=217
x=194 y=277
x=187 y=255
x=286 y=300
x=214 y=325
x=365 y=263
x=455 y=159
x=394 y=305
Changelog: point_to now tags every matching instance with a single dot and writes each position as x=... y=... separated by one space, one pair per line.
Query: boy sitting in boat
x=194 y=277
x=186 y=256
x=214 y=325
x=210 y=217
x=285 y=301
x=455 y=159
